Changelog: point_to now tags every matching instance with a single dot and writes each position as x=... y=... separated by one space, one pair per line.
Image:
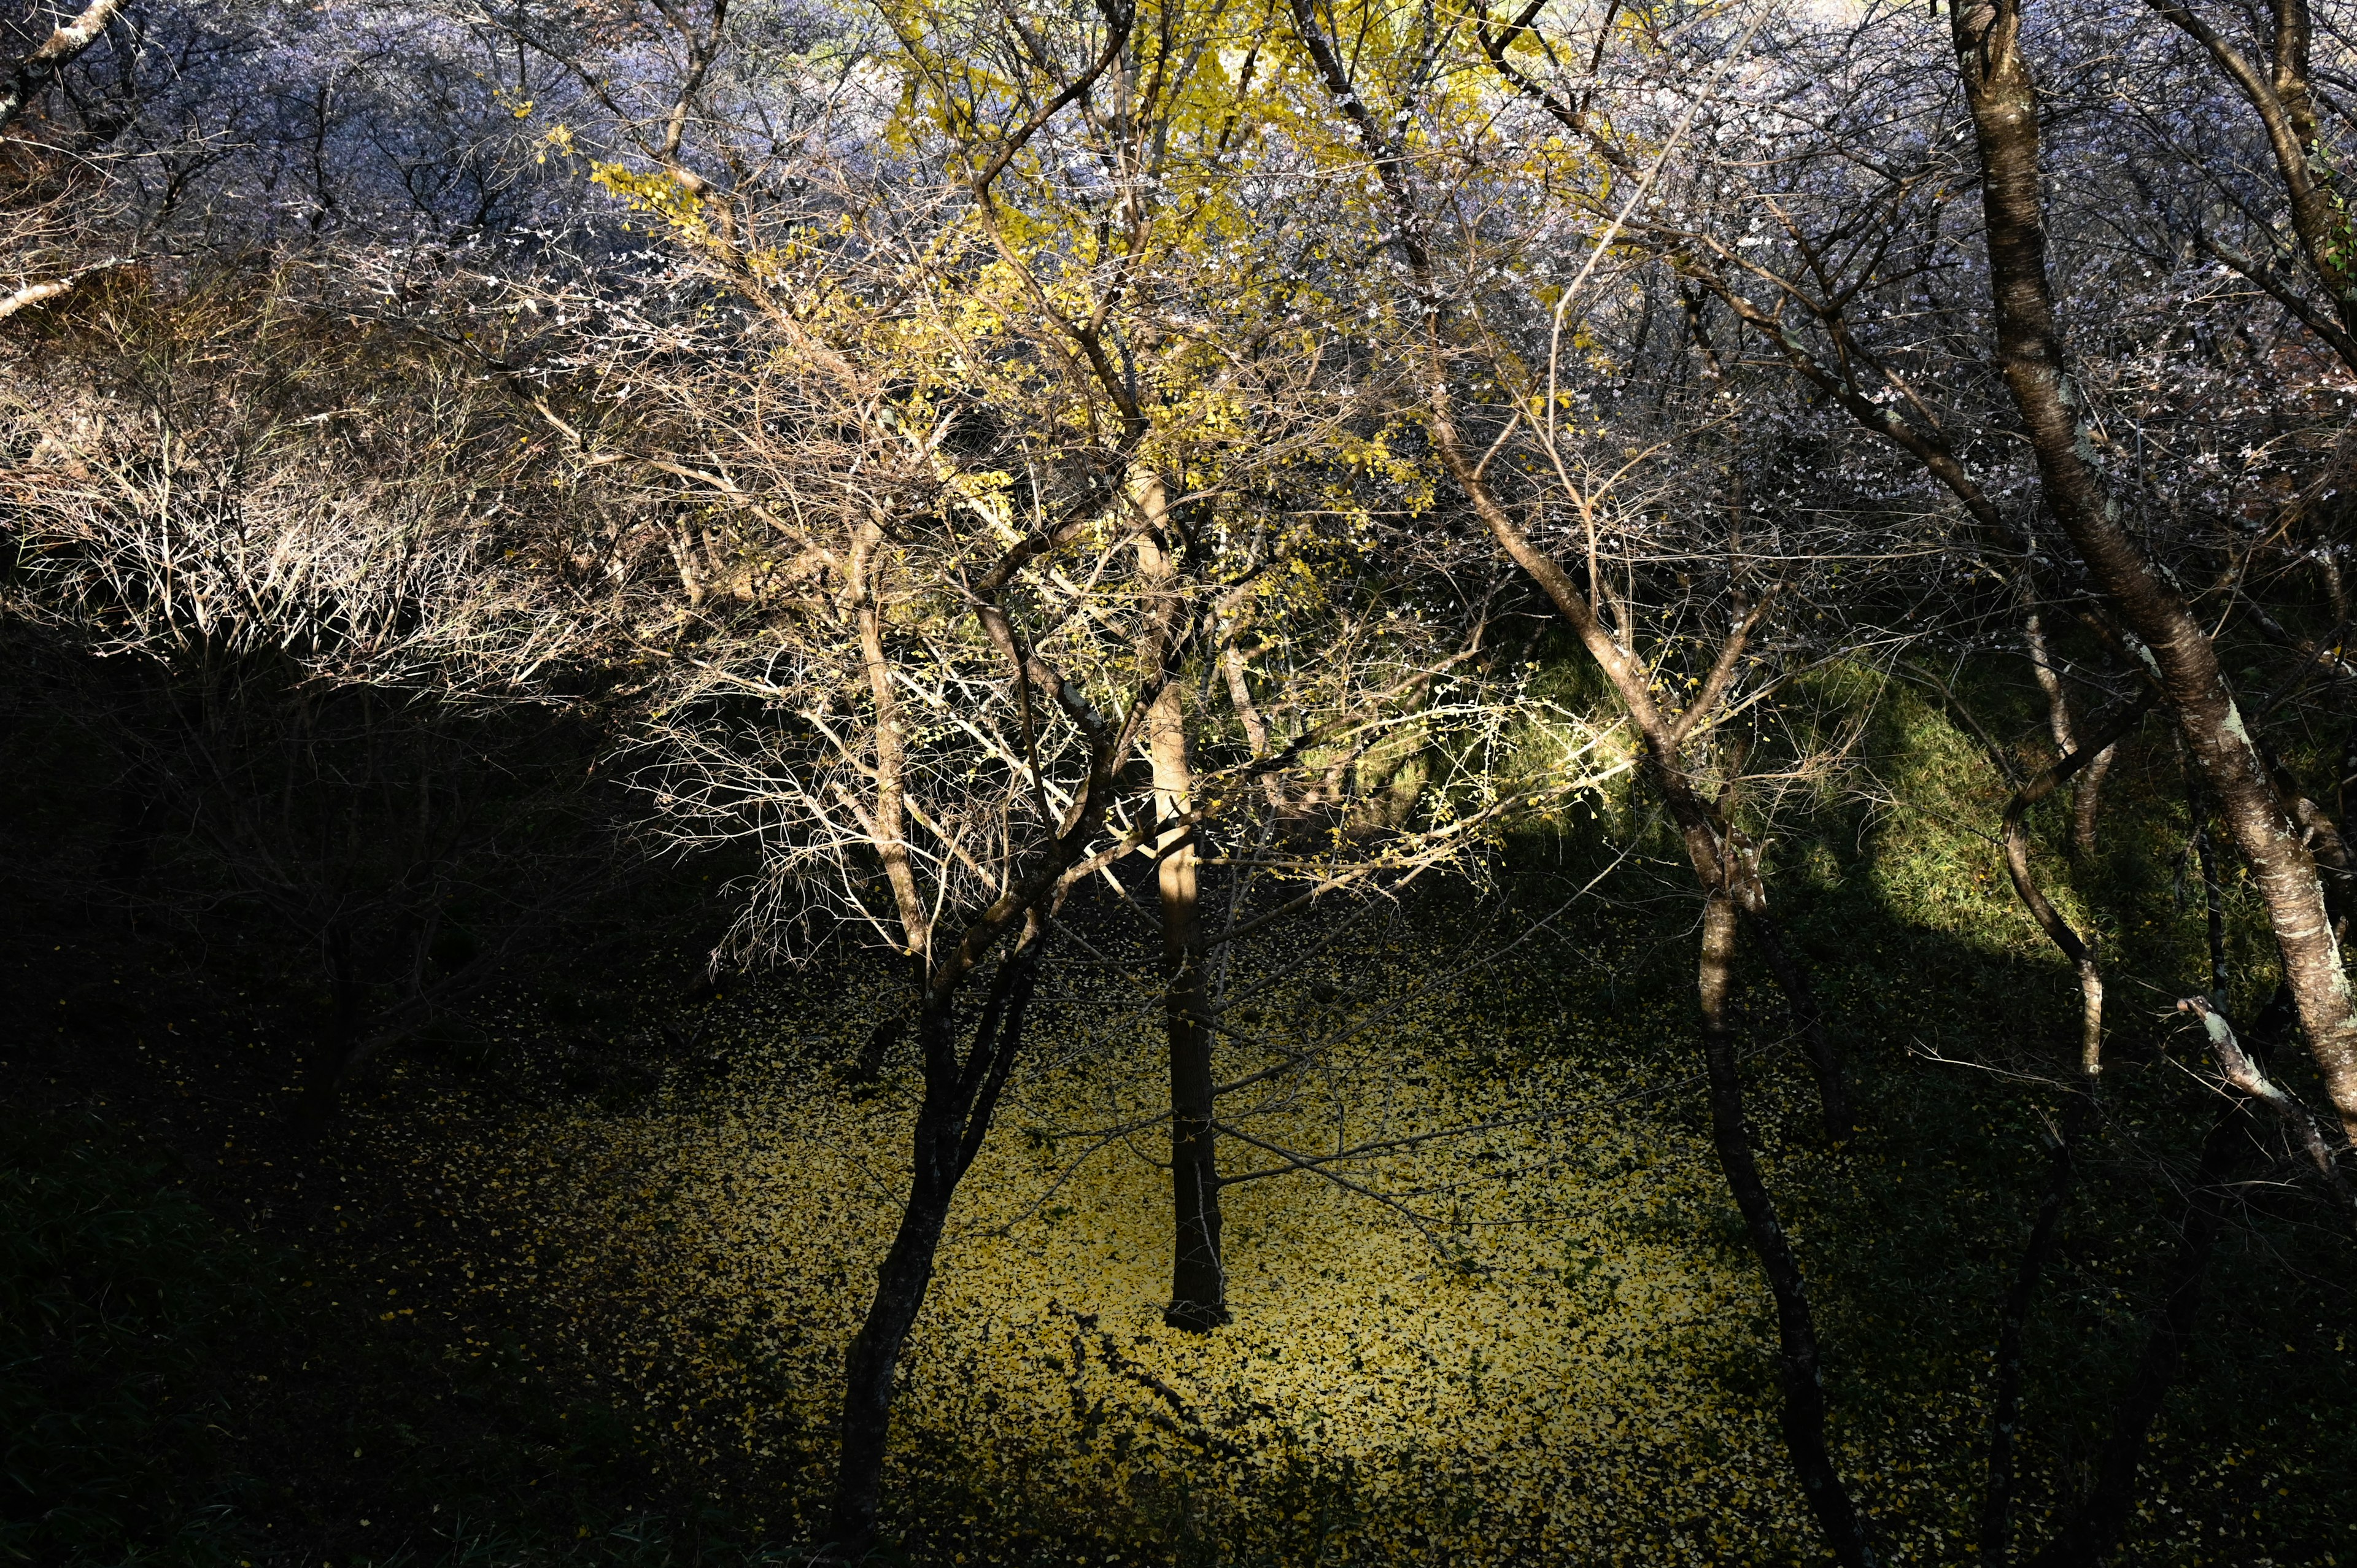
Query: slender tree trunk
x=2003 y=98
x=22 y=80
x=2016 y=840
x=2004 y=1404
x=1199 y=1297
x=1199 y=1272
x=1706 y=835
x=951 y=1120
x=1792 y=979
x=2205 y=856
x=2079 y=1115
x=1803 y=1415
x=900 y=1285
x=2086 y=802
x=2087 y=794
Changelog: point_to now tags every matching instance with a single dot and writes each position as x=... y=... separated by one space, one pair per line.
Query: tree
x=30 y=73
x=258 y=549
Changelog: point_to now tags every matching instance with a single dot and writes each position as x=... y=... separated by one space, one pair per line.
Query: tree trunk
x=951 y=1120
x=2003 y=98
x=1199 y=1296
x=1199 y=1272
x=1723 y=870
x=2086 y=803
x=1804 y=1415
x=900 y=1285
x=2090 y=1533
x=1199 y=1278
x=2087 y=794
x=2005 y=1412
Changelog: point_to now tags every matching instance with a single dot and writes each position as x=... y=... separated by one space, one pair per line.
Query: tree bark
x=24 y=79
x=2086 y=796
x=2003 y=98
x=1198 y=1298
x=2094 y=1529
x=2004 y=1404
x=2016 y=839
x=1723 y=868
x=2285 y=102
x=2086 y=802
x=1803 y=1415
x=951 y=1118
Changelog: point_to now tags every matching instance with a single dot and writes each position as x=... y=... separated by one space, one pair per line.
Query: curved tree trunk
x=2003 y=98
x=1803 y=1415
x=1723 y=865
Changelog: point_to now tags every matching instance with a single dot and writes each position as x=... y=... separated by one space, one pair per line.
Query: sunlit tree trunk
x=1199 y=1272
x=2003 y=98
x=22 y=80
x=2079 y=1112
x=2086 y=800
x=1724 y=869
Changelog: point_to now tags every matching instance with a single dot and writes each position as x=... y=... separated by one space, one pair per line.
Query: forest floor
x=572 y=1283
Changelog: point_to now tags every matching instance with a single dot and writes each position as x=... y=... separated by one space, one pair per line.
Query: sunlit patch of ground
x=1545 y=1369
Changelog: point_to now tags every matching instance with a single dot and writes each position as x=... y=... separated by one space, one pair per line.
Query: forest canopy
x=1179 y=780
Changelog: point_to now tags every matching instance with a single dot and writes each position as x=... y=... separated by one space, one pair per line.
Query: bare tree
x=2003 y=96
x=265 y=569
x=25 y=77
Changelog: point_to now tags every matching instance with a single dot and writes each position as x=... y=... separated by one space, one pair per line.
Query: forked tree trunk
x=1724 y=869
x=2003 y=98
x=959 y=1096
x=2086 y=801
